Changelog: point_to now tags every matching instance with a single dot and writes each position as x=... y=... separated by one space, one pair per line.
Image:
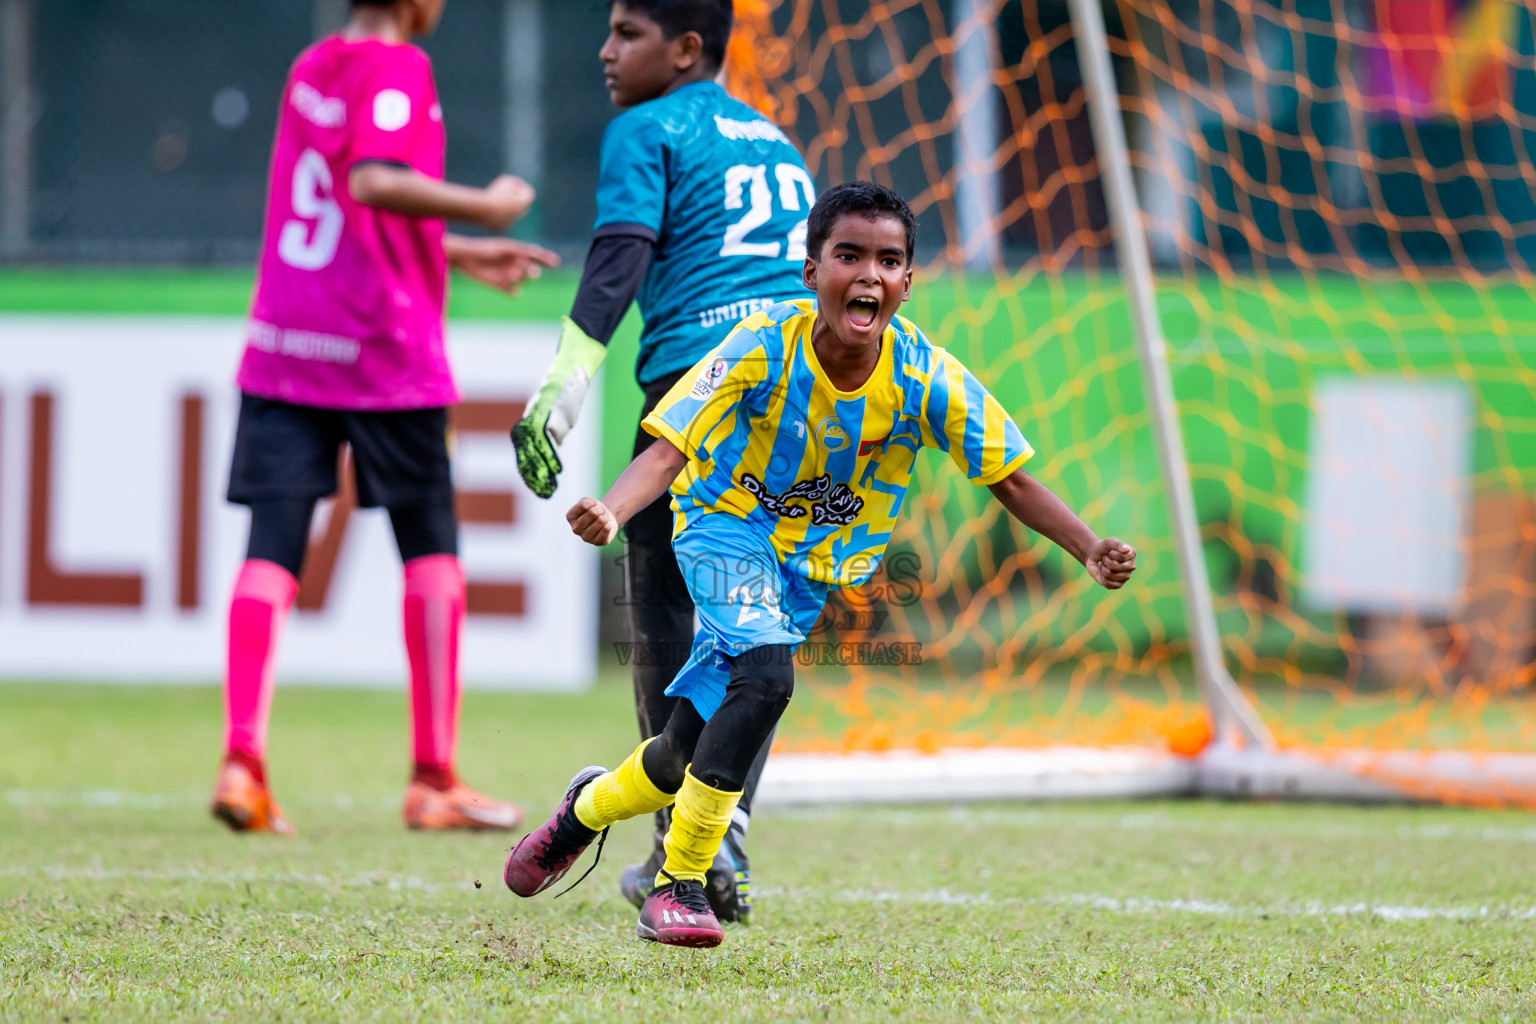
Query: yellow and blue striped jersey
x=770 y=440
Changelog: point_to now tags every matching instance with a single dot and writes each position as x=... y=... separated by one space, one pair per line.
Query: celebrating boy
x=701 y=212
x=345 y=344
x=788 y=451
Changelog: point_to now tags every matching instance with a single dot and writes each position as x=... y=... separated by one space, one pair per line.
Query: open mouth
x=863 y=311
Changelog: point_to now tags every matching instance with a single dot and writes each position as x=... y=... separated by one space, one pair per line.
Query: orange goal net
x=1339 y=208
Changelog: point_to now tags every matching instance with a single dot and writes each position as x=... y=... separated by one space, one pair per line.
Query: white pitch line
x=1129 y=905
x=1149 y=821
x=123 y=800
x=93 y=798
x=1144 y=905
x=960 y=814
x=369 y=880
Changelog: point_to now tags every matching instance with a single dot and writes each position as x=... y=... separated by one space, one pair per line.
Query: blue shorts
x=745 y=598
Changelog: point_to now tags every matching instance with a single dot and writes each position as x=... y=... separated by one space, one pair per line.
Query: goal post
x=1229 y=709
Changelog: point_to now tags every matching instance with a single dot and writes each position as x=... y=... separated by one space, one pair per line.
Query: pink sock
x=263 y=593
x=434 y=617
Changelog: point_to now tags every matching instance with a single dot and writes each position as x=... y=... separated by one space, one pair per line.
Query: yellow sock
x=699 y=820
x=622 y=793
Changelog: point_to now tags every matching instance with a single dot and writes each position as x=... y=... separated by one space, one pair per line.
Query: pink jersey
x=348 y=308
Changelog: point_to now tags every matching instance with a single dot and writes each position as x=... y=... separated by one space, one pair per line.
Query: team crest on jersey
x=829 y=503
x=391 y=110
x=710 y=379
x=831 y=435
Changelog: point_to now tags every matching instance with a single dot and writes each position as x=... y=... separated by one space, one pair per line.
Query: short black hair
x=374 y=3
x=711 y=19
x=857 y=197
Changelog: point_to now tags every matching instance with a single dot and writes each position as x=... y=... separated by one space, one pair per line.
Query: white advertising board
x=117 y=549
x=1388 y=490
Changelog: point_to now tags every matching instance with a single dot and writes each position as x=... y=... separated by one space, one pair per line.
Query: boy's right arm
x=683 y=423
x=642 y=482
x=404 y=190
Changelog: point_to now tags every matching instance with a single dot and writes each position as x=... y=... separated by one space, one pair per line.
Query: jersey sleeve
x=962 y=418
x=632 y=174
x=611 y=279
x=391 y=109
x=698 y=413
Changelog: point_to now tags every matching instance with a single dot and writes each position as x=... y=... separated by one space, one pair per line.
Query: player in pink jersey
x=345 y=344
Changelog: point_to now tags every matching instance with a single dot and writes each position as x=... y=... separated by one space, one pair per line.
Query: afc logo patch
x=710 y=379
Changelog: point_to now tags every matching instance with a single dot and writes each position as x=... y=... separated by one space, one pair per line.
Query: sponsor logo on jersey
x=710 y=379
x=732 y=311
x=311 y=345
x=324 y=111
x=829 y=503
x=391 y=110
x=831 y=435
x=750 y=131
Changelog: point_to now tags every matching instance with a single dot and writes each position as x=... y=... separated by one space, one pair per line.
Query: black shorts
x=399 y=456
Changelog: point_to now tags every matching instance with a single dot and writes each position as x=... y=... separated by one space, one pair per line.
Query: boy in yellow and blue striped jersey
x=788 y=452
x=701 y=218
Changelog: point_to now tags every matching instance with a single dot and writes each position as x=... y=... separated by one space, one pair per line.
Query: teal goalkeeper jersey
x=726 y=196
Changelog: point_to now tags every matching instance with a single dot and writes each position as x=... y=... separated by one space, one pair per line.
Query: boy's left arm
x=1109 y=561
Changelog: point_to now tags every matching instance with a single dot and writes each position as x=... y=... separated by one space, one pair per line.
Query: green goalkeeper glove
x=552 y=413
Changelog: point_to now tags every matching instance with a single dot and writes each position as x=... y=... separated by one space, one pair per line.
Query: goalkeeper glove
x=552 y=413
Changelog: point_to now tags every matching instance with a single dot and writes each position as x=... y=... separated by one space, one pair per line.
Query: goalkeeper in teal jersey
x=701 y=215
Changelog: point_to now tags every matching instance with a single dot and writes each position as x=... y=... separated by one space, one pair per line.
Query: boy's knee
x=718 y=778
x=762 y=682
x=664 y=762
x=766 y=673
x=667 y=758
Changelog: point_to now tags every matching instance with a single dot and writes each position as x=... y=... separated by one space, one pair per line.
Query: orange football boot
x=243 y=802
x=457 y=807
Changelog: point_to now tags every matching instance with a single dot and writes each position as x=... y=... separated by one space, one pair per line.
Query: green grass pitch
x=121 y=900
